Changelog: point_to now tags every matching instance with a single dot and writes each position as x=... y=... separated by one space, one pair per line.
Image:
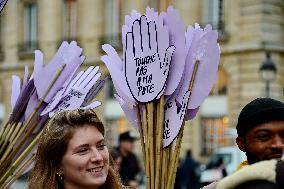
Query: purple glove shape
x=203 y=48
x=68 y=54
x=146 y=64
x=77 y=90
x=174 y=119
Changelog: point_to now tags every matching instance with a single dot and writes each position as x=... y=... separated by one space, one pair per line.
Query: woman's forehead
x=86 y=134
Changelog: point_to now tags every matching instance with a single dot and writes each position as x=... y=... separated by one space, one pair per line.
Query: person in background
x=129 y=167
x=260 y=131
x=221 y=167
x=188 y=174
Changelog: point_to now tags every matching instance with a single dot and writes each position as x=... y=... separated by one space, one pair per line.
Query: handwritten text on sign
x=2 y=4
x=174 y=117
x=147 y=60
x=144 y=78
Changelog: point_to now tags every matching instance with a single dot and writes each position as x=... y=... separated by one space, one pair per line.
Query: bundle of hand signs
x=56 y=86
x=164 y=75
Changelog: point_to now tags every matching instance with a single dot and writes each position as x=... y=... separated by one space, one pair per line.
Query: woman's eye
x=101 y=146
x=82 y=151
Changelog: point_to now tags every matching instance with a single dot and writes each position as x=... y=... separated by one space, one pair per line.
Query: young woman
x=72 y=154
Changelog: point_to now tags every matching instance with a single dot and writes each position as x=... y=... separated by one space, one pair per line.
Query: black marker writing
x=167 y=131
x=144 y=61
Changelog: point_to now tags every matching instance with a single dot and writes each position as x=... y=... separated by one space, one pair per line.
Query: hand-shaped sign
x=129 y=111
x=203 y=47
x=68 y=54
x=174 y=118
x=2 y=4
x=77 y=90
x=16 y=89
x=146 y=68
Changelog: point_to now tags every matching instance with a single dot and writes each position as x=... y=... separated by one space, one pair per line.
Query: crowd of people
x=72 y=153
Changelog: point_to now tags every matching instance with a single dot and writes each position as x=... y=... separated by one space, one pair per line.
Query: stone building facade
x=247 y=30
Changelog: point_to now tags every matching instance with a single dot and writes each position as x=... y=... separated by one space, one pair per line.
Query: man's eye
x=263 y=137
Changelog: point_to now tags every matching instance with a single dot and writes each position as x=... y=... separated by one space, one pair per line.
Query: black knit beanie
x=259 y=111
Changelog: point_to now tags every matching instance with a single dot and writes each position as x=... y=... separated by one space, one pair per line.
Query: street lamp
x=268 y=72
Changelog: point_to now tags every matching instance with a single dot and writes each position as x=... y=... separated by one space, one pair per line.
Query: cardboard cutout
x=146 y=69
x=174 y=119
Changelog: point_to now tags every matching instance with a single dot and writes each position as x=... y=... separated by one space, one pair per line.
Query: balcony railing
x=26 y=50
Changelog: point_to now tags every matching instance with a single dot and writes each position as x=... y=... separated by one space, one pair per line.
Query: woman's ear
x=241 y=143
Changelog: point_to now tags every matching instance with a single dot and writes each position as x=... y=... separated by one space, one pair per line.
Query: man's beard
x=251 y=157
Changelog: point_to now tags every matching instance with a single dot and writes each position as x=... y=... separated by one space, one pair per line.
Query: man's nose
x=278 y=142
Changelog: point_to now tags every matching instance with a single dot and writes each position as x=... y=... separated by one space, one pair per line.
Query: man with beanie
x=260 y=131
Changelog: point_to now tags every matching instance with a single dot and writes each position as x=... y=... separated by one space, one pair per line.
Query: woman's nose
x=96 y=156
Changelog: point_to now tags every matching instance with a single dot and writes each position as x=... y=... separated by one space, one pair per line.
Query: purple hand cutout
x=2 y=4
x=77 y=90
x=203 y=48
x=129 y=111
x=146 y=68
x=177 y=38
x=16 y=89
x=174 y=118
x=114 y=65
x=68 y=54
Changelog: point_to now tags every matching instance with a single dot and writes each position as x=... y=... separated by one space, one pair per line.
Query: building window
x=213 y=13
x=1 y=39
x=214 y=134
x=70 y=20
x=113 y=24
x=110 y=90
x=113 y=14
x=30 y=26
x=220 y=87
x=154 y=4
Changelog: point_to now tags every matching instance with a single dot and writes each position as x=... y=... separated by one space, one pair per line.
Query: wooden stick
x=11 y=153
x=151 y=140
x=142 y=138
x=2 y=139
x=19 y=172
x=174 y=162
x=10 y=147
x=147 y=165
x=17 y=162
x=15 y=151
x=16 y=131
x=6 y=137
x=173 y=167
x=166 y=165
x=3 y=130
x=159 y=138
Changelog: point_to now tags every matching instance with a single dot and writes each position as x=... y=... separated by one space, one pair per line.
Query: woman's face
x=86 y=161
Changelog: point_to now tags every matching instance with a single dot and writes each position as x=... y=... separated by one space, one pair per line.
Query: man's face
x=263 y=142
x=127 y=145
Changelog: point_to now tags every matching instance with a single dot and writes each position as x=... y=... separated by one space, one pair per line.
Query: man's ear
x=241 y=143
